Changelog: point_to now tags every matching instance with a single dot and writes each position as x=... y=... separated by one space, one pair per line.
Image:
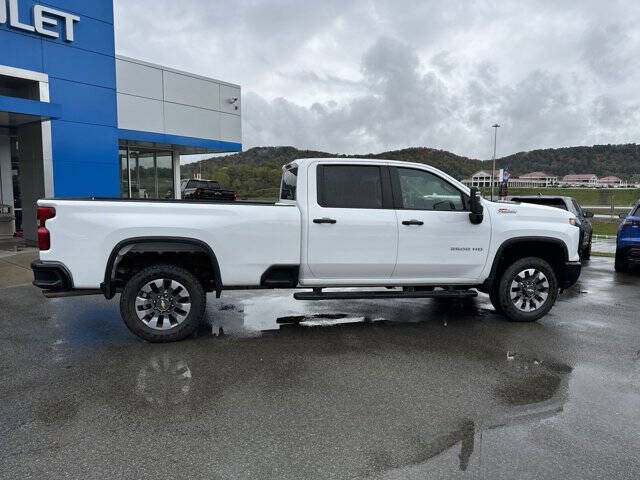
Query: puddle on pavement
x=249 y=317
x=530 y=390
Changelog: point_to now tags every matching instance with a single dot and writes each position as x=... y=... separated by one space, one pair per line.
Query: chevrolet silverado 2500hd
x=338 y=223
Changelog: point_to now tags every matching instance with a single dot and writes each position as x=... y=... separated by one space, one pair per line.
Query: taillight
x=44 y=238
x=197 y=193
x=235 y=196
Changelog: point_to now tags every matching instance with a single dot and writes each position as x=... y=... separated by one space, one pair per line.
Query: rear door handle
x=324 y=220
x=412 y=222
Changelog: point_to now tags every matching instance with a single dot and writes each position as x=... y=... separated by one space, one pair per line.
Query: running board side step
x=384 y=294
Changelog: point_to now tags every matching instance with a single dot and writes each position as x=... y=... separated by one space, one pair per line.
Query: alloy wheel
x=529 y=290
x=163 y=304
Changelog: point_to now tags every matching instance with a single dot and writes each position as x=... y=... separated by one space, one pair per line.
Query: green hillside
x=602 y=160
x=256 y=172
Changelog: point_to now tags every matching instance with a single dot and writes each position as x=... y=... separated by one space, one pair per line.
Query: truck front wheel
x=528 y=289
x=494 y=297
x=163 y=303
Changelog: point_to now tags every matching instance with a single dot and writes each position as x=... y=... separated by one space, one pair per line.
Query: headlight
x=572 y=221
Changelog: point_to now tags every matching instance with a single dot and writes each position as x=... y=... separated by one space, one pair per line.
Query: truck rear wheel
x=163 y=303
x=528 y=289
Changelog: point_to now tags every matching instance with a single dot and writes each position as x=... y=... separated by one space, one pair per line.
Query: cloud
x=365 y=76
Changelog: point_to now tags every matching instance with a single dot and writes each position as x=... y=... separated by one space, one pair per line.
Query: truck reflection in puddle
x=163 y=380
x=526 y=390
x=542 y=403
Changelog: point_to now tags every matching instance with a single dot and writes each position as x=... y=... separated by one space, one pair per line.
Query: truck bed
x=161 y=200
x=246 y=237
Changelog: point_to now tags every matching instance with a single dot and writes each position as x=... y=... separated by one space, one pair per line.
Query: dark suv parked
x=195 y=189
x=570 y=204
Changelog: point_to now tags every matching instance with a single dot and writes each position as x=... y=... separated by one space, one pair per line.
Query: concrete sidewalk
x=15 y=260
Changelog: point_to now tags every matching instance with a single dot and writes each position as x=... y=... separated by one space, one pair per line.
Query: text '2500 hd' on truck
x=339 y=223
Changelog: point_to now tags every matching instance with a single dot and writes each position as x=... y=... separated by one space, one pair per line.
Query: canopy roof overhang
x=177 y=143
x=15 y=112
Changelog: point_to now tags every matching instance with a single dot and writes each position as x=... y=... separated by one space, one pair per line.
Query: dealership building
x=78 y=120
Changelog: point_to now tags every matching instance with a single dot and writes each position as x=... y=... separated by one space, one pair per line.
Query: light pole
x=495 y=127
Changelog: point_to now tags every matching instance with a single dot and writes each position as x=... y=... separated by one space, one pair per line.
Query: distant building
x=588 y=179
x=483 y=179
x=534 y=179
x=611 y=181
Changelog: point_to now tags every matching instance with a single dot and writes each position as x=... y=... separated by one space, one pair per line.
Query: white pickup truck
x=339 y=223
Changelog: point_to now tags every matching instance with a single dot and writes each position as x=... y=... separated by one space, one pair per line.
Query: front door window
x=422 y=190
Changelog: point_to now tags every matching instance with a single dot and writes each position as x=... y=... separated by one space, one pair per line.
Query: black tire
x=494 y=297
x=179 y=325
x=586 y=253
x=543 y=297
x=621 y=262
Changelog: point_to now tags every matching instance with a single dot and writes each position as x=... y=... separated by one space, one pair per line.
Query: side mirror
x=588 y=214
x=622 y=216
x=475 y=205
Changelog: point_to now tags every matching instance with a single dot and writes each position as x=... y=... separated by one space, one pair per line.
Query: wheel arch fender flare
x=157 y=244
x=488 y=283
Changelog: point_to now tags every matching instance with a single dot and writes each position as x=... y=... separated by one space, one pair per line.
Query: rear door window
x=350 y=186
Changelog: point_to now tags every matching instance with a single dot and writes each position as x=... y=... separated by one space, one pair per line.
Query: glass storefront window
x=15 y=177
x=134 y=179
x=164 y=169
x=124 y=173
x=146 y=173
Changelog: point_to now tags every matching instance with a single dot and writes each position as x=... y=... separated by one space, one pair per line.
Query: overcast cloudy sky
x=359 y=76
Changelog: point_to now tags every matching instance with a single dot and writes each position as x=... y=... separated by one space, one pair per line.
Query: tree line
x=256 y=172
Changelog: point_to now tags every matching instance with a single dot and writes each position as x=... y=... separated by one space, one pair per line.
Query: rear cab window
x=206 y=184
x=289 y=183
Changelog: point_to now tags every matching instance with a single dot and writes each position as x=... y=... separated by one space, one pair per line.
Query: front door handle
x=324 y=220
x=412 y=222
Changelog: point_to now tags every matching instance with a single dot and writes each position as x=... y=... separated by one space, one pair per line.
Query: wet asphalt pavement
x=407 y=389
